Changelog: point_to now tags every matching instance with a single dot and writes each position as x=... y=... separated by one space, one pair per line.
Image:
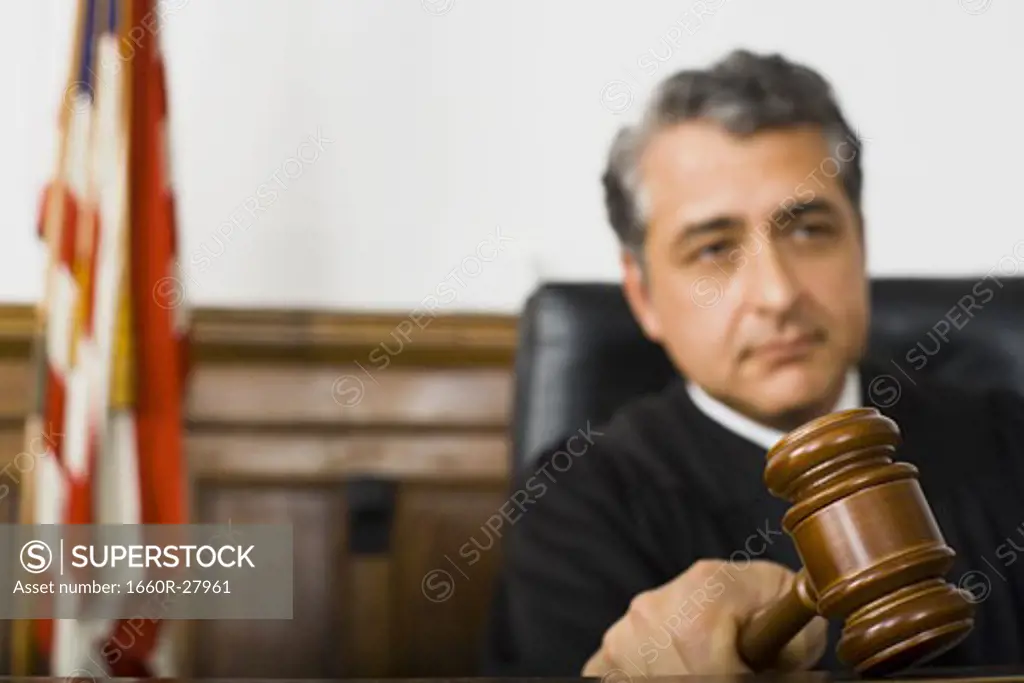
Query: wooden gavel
x=872 y=553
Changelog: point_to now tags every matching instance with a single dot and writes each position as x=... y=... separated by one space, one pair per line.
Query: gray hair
x=745 y=93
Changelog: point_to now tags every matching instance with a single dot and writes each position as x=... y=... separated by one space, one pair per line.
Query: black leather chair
x=581 y=354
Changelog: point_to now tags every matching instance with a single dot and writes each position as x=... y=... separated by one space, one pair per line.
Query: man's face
x=755 y=281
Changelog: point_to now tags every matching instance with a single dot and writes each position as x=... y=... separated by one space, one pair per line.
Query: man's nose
x=772 y=285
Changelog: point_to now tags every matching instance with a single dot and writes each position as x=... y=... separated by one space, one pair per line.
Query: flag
x=110 y=348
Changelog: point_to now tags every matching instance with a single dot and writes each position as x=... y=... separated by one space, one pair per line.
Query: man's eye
x=812 y=230
x=715 y=250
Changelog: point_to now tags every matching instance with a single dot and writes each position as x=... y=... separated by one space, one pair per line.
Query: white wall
x=450 y=119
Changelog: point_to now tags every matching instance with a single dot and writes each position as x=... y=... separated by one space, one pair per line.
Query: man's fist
x=691 y=624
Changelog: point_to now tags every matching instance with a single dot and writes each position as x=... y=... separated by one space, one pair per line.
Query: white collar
x=755 y=431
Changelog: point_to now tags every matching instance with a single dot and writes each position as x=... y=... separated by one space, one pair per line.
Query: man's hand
x=691 y=624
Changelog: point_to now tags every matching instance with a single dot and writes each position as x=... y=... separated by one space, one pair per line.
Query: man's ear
x=636 y=287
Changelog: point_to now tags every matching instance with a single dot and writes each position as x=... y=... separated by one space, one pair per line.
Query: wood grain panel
x=15 y=385
x=289 y=414
x=304 y=646
x=320 y=336
x=9 y=500
x=367 y=606
x=287 y=458
x=444 y=574
x=405 y=338
x=13 y=465
x=345 y=395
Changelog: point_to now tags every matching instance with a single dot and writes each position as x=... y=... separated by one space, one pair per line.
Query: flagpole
x=52 y=219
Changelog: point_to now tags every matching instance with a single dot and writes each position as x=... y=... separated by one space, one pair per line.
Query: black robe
x=627 y=506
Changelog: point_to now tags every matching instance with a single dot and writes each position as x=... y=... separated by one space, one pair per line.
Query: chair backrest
x=581 y=354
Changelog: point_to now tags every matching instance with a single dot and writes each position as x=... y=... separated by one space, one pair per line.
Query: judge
x=737 y=203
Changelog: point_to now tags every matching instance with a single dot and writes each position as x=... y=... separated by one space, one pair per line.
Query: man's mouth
x=789 y=348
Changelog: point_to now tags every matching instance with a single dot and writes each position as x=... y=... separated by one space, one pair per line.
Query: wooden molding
x=319 y=459
x=247 y=335
x=17 y=327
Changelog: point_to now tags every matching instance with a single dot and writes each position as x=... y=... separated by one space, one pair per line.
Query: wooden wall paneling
x=313 y=457
x=368 y=647
x=369 y=556
x=304 y=395
x=10 y=478
x=446 y=557
x=304 y=646
x=292 y=417
x=17 y=459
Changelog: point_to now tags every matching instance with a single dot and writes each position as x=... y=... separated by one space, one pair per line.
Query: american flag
x=110 y=349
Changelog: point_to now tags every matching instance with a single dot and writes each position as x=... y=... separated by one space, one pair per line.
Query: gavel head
x=872 y=552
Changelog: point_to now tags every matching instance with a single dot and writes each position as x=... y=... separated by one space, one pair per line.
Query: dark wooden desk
x=986 y=675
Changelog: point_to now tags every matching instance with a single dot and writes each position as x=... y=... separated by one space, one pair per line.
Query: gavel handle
x=769 y=629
